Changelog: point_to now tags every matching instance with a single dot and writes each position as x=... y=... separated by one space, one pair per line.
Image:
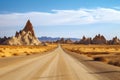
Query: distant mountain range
x=44 y=38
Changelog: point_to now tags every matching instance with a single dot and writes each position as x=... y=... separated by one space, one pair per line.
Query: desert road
x=56 y=65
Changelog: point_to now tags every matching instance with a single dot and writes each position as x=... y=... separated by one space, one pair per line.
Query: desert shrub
x=117 y=53
x=95 y=53
x=1 y=51
x=3 y=56
x=27 y=53
x=89 y=55
x=94 y=48
x=15 y=54
x=116 y=63
x=103 y=59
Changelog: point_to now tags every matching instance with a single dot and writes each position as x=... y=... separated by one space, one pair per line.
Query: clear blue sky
x=48 y=5
x=61 y=18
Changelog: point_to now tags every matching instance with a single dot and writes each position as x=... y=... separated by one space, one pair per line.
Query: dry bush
x=28 y=53
x=116 y=63
x=117 y=53
x=1 y=50
x=7 y=51
x=114 y=60
x=105 y=53
x=3 y=56
x=103 y=59
x=15 y=54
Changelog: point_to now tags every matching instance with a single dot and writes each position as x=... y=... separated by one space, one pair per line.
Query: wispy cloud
x=62 y=17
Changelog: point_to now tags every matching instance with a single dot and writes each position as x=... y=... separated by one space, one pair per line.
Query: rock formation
x=114 y=41
x=85 y=40
x=24 y=37
x=99 y=39
x=28 y=27
x=68 y=41
x=4 y=39
x=62 y=40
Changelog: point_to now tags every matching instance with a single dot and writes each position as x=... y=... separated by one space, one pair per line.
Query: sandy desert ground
x=8 y=51
x=106 y=53
x=56 y=65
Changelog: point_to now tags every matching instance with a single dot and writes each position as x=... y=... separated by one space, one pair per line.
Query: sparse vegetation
x=106 y=53
x=8 y=51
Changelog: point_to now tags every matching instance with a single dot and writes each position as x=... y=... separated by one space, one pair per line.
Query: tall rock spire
x=29 y=27
x=24 y=37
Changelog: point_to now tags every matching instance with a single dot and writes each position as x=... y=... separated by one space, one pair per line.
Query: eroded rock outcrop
x=99 y=39
x=62 y=40
x=114 y=41
x=24 y=37
x=68 y=41
x=85 y=40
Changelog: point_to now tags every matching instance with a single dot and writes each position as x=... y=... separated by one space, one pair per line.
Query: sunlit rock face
x=114 y=41
x=24 y=37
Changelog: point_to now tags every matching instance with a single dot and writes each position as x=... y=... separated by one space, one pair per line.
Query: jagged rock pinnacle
x=29 y=27
x=24 y=37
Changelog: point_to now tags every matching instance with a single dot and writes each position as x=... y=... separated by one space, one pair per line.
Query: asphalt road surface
x=56 y=65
